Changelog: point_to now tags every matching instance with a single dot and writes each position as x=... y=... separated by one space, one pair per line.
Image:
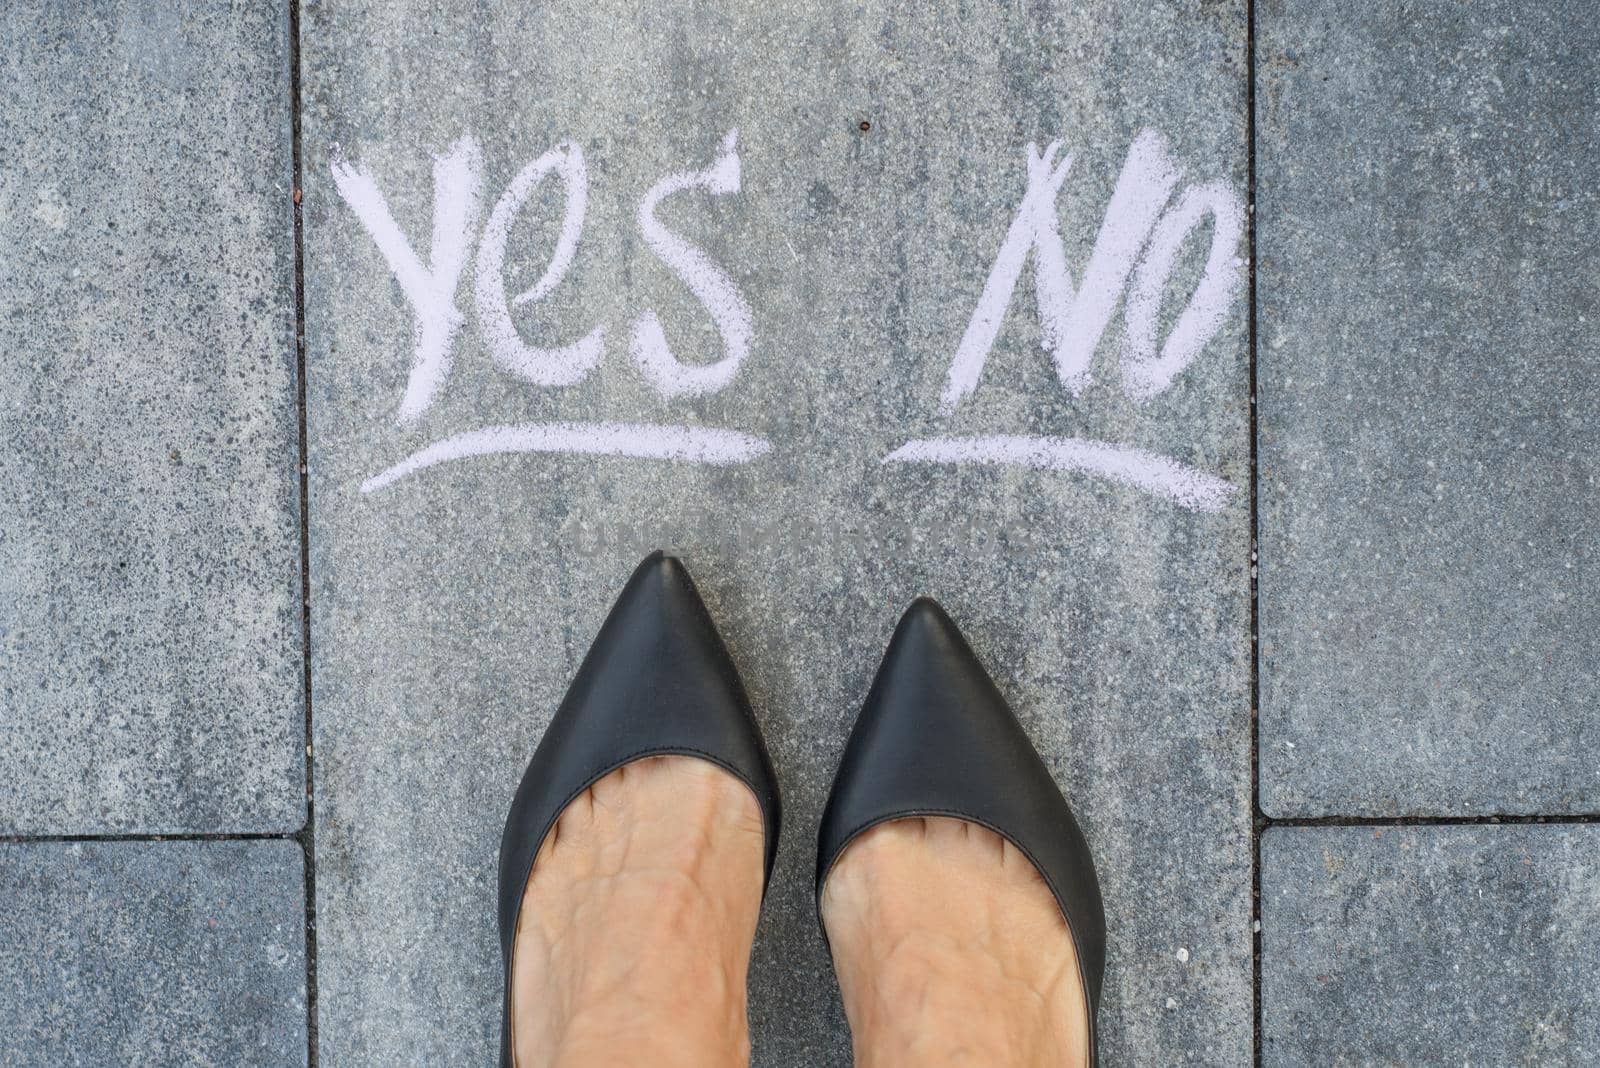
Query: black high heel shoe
x=935 y=738
x=657 y=681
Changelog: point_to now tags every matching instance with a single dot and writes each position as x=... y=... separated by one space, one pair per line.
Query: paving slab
x=1430 y=408
x=153 y=953
x=1435 y=945
x=150 y=646
x=851 y=174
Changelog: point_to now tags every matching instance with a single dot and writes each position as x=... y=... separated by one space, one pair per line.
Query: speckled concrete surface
x=1428 y=442
x=1430 y=946
x=1430 y=412
x=150 y=646
x=882 y=150
x=152 y=953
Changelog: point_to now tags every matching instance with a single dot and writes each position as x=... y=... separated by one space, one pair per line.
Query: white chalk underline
x=1142 y=470
x=705 y=445
x=1159 y=475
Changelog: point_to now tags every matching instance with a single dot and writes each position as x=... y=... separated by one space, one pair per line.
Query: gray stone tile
x=152 y=953
x=1419 y=946
x=150 y=649
x=1430 y=409
x=452 y=606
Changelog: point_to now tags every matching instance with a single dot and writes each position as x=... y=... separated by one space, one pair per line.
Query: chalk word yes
x=431 y=288
x=1072 y=321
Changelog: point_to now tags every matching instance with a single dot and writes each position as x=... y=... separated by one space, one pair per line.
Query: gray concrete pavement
x=152 y=953
x=1430 y=945
x=452 y=605
x=813 y=297
x=150 y=647
x=1430 y=409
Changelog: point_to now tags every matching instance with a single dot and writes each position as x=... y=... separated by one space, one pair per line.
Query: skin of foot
x=634 y=940
x=951 y=950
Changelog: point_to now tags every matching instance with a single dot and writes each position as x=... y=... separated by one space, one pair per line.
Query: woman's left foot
x=636 y=925
x=951 y=950
x=956 y=888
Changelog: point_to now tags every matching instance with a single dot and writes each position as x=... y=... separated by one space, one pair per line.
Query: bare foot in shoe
x=637 y=922
x=951 y=950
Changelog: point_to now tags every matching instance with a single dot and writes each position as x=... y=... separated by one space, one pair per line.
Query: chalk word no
x=1138 y=245
x=1140 y=237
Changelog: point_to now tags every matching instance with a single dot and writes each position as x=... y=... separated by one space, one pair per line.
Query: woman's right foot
x=637 y=924
x=636 y=849
x=951 y=950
